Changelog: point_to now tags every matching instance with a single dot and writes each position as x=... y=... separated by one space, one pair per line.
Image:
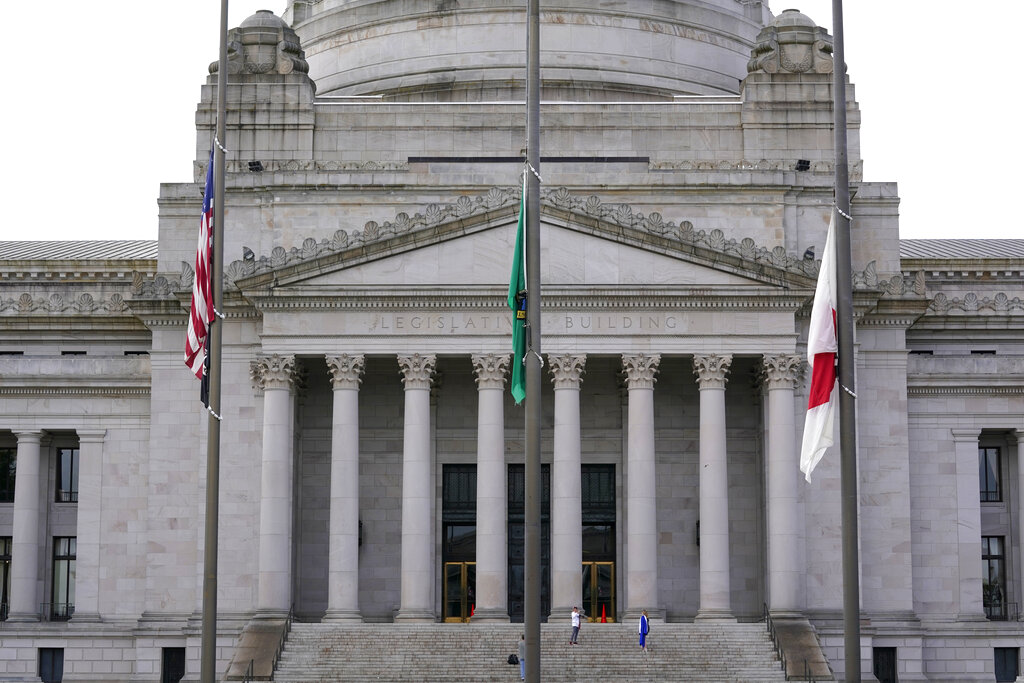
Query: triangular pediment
x=469 y=244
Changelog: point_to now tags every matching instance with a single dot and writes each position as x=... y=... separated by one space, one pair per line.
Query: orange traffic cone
x=604 y=619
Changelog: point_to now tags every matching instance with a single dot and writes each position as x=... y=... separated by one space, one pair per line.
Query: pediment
x=469 y=244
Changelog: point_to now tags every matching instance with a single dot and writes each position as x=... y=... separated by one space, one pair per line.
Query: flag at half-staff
x=517 y=301
x=822 y=350
x=201 y=311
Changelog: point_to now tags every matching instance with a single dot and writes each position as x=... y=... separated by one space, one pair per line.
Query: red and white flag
x=822 y=348
x=201 y=313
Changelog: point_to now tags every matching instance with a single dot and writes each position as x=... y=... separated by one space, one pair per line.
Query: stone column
x=343 y=545
x=90 y=507
x=785 y=568
x=417 y=492
x=566 y=485
x=711 y=374
x=641 y=502
x=968 y=527
x=276 y=376
x=1020 y=505
x=491 y=490
x=24 y=605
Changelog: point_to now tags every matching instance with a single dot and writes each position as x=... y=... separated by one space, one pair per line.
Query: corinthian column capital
x=567 y=370
x=417 y=370
x=490 y=369
x=782 y=371
x=346 y=370
x=273 y=372
x=641 y=370
x=711 y=370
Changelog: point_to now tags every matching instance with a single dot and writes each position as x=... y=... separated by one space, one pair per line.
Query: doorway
x=599 y=591
x=459 y=591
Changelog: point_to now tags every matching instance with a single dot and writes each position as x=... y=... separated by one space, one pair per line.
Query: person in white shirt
x=575 y=625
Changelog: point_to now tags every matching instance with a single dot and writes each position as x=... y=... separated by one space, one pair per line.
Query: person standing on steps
x=522 y=657
x=645 y=628
x=575 y=625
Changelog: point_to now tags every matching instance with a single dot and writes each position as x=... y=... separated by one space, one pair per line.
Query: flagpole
x=208 y=655
x=847 y=388
x=532 y=549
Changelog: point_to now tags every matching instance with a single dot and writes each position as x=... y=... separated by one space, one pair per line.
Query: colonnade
x=640 y=584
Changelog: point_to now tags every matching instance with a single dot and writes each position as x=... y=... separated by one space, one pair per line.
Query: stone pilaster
x=276 y=376
x=417 y=602
x=641 y=502
x=968 y=527
x=343 y=546
x=566 y=485
x=715 y=602
x=785 y=532
x=23 y=605
x=491 y=490
x=90 y=507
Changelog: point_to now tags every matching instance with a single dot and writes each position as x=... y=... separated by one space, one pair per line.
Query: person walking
x=645 y=628
x=522 y=657
x=575 y=626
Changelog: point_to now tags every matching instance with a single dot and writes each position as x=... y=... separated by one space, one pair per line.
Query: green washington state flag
x=517 y=302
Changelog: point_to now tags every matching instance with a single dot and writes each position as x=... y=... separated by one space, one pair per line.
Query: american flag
x=201 y=314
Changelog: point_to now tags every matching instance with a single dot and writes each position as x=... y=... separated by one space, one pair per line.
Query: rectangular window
x=173 y=665
x=989 y=475
x=8 y=464
x=64 y=551
x=67 y=475
x=993 y=582
x=5 y=575
x=1007 y=663
x=51 y=664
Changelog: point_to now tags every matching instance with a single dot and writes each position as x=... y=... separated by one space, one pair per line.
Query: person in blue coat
x=645 y=628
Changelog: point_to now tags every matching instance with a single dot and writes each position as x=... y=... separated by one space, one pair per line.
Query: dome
x=440 y=50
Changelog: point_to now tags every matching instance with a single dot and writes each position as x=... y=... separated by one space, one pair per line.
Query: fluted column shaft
x=711 y=374
x=641 y=502
x=785 y=570
x=276 y=376
x=417 y=492
x=1020 y=500
x=90 y=508
x=968 y=527
x=343 y=544
x=491 y=490
x=566 y=485
x=25 y=542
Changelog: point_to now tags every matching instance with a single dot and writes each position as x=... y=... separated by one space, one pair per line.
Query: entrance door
x=599 y=591
x=459 y=591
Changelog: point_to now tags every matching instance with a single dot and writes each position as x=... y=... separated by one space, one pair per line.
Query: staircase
x=697 y=652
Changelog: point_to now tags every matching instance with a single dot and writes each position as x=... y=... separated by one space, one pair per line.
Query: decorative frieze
x=417 y=370
x=346 y=370
x=641 y=370
x=57 y=303
x=782 y=370
x=712 y=370
x=567 y=370
x=490 y=369
x=972 y=303
x=273 y=372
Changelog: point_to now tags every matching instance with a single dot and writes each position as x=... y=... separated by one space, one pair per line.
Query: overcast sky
x=100 y=101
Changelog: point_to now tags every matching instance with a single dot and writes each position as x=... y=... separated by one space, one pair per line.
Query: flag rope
x=219 y=146
x=215 y=415
x=842 y=213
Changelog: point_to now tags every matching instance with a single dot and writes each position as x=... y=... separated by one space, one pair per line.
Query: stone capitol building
x=372 y=457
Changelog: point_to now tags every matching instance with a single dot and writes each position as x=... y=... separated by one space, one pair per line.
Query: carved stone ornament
x=490 y=369
x=792 y=44
x=712 y=370
x=972 y=303
x=782 y=371
x=641 y=370
x=346 y=370
x=263 y=44
x=273 y=372
x=417 y=370
x=66 y=305
x=567 y=370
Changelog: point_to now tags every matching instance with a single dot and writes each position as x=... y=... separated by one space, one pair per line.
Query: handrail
x=808 y=675
x=280 y=643
x=247 y=678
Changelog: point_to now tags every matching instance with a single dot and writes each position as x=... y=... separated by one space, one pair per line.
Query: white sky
x=100 y=101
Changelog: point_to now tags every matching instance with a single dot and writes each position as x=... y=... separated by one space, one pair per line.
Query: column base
x=493 y=614
x=633 y=614
x=86 y=617
x=712 y=614
x=22 y=618
x=341 y=614
x=416 y=616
